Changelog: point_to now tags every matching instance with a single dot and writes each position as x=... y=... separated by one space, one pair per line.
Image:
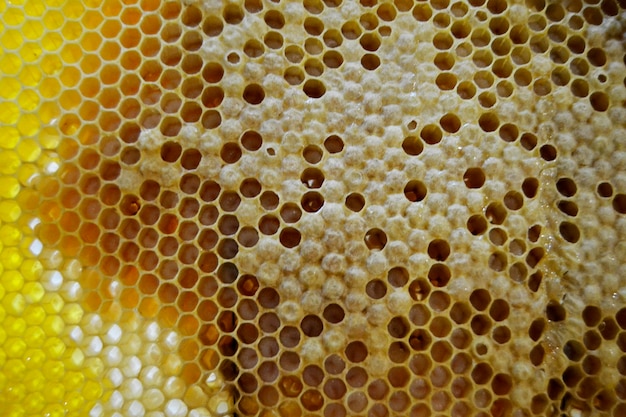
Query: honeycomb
x=312 y=208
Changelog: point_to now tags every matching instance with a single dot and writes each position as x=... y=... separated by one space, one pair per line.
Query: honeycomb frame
x=312 y=208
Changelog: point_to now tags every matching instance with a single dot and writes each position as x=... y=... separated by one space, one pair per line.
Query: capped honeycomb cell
x=318 y=208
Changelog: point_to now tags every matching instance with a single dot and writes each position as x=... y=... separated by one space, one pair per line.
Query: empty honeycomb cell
x=508 y=132
x=522 y=77
x=460 y=29
x=273 y=40
x=370 y=42
x=314 y=88
x=250 y=187
x=355 y=202
x=369 y=21
x=501 y=46
x=484 y=79
x=569 y=231
x=443 y=41
x=591 y=315
x=579 y=66
x=290 y=237
x=398 y=327
x=212 y=96
x=619 y=203
x=568 y=207
x=497 y=261
x=312 y=25
x=517 y=247
x=332 y=38
x=370 y=61
x=294 y=54
x=313 y=67
x=333 y=59
x=533 y=235
x=474 y=177
x=375 y=239
x=446 y=81
x=251 y=140
x=351 y=30
x=444 y=61
x=294 y=75
x=599 y=101
x=604 y=189
x=559 y=55
x=398 y=276
x=548 y=152
x=253 y=94
x=312 y=201
x=269 y=200
x=313 y=46
x=208 y=215
x=580 y=88
x=230 y=153
x=513 y=200
x=269 y=225
x=440 y=327
x=439 y=300
x=477 y=225
x=431 y=134
x=419 y=290
x=466 y=90
x=487 y=100
x=534 y=256
x=450 y=122
x=439 y=249
x=439 y=275
x=495 y=213
x=412 y=145
x=596 y=57
x=415 y=191
x=542 y=87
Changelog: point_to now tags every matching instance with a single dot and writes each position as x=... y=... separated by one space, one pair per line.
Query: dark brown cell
x=439 y=275
x=269 y=322
x=439 y=250
x=313 y=375
x=398 y=276
x=420 y=340
x=290 y=336
x=356 y=352
x=415 y=191
x=312 y=201
x=355 y=202
x=312 y=326
x=334 y=313
x=619 y=203
x=314 y=88
x=398 y=327
x=269 y=224
x=569 y=231
x=605 y=189
x=312 y=178
x=375 y=239
x=253 y=94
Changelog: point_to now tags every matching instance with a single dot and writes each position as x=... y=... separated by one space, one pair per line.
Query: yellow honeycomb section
x=312 y=208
